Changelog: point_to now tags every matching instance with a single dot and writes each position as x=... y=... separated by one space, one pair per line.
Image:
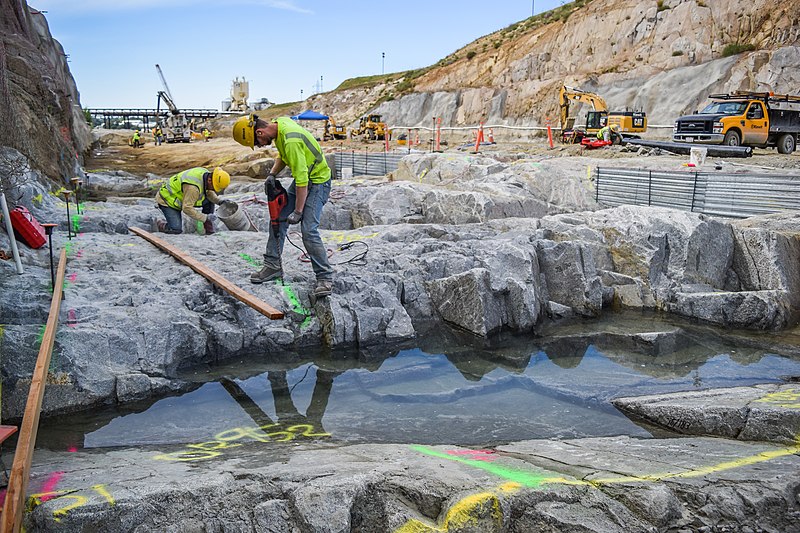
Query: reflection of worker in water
x=285 y=409
x=187 y=190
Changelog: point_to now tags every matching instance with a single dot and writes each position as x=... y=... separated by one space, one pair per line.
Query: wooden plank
x=212 y=276
x=18 y=480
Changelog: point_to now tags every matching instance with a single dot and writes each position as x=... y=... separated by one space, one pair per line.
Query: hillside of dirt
x=663 y=57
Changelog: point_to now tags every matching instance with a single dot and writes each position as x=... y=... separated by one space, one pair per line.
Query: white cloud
x=143 y=5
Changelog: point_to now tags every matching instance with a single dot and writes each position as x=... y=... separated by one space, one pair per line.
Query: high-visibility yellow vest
x=172 y=190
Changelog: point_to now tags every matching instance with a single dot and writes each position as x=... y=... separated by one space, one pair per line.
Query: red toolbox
x=27 y=228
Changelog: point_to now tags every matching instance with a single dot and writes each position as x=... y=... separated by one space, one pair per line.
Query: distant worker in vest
x=137 y=139
x=307 y=195
x=610 y=133
x=185 y=192
x=158 y=135
x=206 y=134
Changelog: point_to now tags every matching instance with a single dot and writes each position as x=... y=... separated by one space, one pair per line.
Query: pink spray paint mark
x=72 y=277
x=72 y=318
x=475 y=455
x=79 y=254
x=49 y=486
x=72 y=449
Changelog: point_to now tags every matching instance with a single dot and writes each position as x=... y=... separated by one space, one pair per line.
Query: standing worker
x=610 y=132
x=136 y=139
x=158 y=134
x=206 y=134
x=187 y=190
x=307 y=195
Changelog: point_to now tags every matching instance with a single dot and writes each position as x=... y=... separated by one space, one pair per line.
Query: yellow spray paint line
x=529 y=479
x=466 y=512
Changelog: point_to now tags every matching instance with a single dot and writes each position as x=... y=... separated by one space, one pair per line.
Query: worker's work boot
x=323 y=288
x=265 y=274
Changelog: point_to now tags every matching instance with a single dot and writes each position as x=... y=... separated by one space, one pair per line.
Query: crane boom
x=163 y=81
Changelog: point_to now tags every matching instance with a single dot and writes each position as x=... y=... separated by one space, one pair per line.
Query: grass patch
x=661 y=6
x=737 y=48
x=677 y=53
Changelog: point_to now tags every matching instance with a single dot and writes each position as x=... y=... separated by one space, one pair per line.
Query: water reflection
x=449 y=389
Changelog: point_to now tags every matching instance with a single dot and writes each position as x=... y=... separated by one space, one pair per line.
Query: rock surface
x=603 y=485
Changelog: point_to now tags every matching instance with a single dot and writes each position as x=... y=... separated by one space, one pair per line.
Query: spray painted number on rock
x=78 y=500
x=225 y=440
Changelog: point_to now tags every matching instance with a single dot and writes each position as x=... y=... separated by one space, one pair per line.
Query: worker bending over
x=610 y=132
x=186 y=191
x=308 y=193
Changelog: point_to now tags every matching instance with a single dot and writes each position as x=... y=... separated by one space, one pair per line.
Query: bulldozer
x=629 y=122
x=333 y=131
x=371 y=128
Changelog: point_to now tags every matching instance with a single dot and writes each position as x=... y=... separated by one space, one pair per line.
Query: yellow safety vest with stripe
x=301 y=151
x=172 y=190
x=602 y=132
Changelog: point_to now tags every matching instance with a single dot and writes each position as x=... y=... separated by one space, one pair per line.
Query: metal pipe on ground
x=685 y=148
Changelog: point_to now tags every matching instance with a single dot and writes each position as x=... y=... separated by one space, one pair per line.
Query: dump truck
x=371 y=127
x=744 y=118
x=630 y=122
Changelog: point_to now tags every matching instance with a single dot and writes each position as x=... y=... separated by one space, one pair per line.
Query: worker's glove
x=294 y=217
x=269 y=183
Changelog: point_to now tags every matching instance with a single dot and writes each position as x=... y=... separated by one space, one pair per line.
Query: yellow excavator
x=371 y=127
x=629 y=122
x=333 y=131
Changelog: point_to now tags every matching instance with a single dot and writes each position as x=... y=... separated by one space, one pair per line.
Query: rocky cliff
x=40 y=114
x=661 y=56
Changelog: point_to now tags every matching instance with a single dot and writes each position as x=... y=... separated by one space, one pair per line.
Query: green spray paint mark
x=200 y=229
x=38 y=199
x=68 y=247
x=255 y=262
x=76 y=223
x=40 y=336
x=527 y=479
x=297 y=307
x=2 y=332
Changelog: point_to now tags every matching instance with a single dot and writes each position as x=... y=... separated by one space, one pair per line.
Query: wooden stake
x=18 y=480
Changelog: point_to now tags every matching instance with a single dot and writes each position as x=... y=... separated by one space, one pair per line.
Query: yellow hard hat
x=615 y=127
x=244 y=131
x=220 y=179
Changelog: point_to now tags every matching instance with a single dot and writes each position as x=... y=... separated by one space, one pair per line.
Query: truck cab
x=744 y=119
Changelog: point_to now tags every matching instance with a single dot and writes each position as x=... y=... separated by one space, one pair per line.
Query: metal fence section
x=712 y=193
x=367 y=163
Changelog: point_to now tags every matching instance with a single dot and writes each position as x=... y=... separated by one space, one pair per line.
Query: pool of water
x=446 y=389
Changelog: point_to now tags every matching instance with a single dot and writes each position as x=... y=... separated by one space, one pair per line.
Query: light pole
x=383 y=56
x=301 y=95
x=320 y=84
x=532 y=3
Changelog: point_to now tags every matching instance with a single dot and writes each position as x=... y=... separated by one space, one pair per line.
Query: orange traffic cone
x=491 y=136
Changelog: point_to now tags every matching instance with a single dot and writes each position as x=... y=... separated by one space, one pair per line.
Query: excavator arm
x=573 y=94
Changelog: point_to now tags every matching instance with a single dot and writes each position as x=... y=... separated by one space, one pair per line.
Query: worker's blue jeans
x=318 y=194
x=174 y=220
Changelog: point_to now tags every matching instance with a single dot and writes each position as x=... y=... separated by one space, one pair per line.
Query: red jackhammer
x=277 y=198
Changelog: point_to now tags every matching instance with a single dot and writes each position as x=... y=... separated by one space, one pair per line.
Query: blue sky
x=280 y=46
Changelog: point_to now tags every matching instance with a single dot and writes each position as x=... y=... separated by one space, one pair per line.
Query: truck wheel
x=732 y=139
x=786 y=143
